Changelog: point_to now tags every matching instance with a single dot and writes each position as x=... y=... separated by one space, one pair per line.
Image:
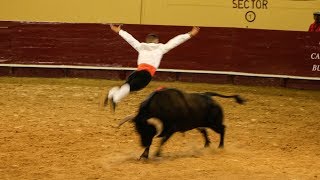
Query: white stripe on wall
x=160 y=70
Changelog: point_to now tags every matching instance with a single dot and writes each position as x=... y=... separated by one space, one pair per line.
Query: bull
x=178 y=112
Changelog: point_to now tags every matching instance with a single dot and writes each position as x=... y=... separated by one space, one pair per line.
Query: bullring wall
x=217 y=55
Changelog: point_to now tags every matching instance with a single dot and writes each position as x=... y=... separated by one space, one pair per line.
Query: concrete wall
x=259 y=14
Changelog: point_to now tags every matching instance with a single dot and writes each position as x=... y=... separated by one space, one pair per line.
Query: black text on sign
x=250 y=4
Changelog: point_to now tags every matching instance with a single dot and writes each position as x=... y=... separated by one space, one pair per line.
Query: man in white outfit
x=150 y=55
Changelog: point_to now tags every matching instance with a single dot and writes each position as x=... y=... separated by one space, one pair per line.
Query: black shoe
x=112 y=105
x=105 y=100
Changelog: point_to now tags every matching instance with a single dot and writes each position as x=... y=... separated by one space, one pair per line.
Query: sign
x=251 y=6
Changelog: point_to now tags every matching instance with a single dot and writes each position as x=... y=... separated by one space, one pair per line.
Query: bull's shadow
x=195 y=152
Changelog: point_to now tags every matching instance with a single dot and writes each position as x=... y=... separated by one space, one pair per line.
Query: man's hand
x=115 y=28
x=195 y=30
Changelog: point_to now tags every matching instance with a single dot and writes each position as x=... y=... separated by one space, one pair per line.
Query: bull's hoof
x=142 y=157
x=206 y=145
x=158 y=154
x=220 y=146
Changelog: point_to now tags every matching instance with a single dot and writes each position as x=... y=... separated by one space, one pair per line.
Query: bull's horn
x=128 y=118
x=157 y=124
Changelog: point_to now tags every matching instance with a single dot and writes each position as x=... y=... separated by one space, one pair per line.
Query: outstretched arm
x=126 y=36
x=176 y=41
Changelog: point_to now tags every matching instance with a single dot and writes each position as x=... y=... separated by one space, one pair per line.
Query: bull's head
x=152 y=121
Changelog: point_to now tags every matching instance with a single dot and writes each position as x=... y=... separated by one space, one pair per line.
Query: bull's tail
x=236 y=97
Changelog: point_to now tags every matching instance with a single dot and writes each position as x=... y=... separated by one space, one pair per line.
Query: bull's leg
x=205 y=135
x=163 y=140
x=221 y=131
x=147 y=134
x=216 y=122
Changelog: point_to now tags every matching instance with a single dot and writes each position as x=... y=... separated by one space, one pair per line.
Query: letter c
x=246 y=4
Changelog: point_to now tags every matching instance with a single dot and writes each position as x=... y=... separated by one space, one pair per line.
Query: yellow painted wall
x=127 y=11
x=278 y=14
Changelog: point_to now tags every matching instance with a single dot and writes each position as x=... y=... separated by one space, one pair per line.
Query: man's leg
x=118 y=94
x=136 y=81
x=115 y=90
x=139 y=81
x=107 y=97
x=121 y=93
x=112 y=91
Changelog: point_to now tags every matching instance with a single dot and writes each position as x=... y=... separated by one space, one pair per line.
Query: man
x=315 y=27
x=150 y=55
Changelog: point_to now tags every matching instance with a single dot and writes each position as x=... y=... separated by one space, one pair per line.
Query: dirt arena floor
x=54 y=129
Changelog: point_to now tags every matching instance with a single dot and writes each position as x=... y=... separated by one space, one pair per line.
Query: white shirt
x=152 y=53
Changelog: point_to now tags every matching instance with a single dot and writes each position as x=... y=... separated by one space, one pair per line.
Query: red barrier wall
x=218 y=49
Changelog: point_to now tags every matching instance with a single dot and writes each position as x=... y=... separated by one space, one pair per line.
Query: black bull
x=179 y=112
